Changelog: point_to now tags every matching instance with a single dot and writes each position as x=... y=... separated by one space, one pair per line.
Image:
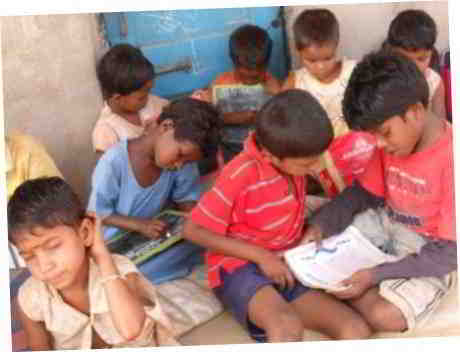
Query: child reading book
x=238 y=94
x=255 y=211
x=405 y=198
x=137 y=178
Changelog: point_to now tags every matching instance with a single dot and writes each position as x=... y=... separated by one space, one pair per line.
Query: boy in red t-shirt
x=255 y=211
x=404 y=198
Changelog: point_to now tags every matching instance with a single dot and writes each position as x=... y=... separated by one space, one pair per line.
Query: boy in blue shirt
x=135 y=179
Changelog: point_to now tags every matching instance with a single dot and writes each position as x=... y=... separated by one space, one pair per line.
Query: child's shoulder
x=33 y=295
x=243 y=171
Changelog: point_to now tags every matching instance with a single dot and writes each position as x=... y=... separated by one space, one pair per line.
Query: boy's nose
x=44 y=262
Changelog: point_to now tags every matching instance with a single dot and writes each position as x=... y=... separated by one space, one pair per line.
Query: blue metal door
x=189 y=48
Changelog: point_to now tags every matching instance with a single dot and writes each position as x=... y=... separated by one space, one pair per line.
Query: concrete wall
x=50 y=87
x=363 y=27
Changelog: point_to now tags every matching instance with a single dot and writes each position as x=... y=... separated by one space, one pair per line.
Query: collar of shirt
x=266 y=168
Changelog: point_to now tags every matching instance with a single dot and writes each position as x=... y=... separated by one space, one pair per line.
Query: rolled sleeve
x=105 y=188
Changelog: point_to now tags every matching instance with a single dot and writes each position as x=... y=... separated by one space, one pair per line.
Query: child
x=138 y=178
x=250 y=49
x=412 y=33
x=325 y=76
x=72 y=300
x=408 y=187
x=126 y=78
x=255 y=211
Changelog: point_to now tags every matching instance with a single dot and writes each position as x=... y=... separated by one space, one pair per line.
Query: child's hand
x=271 y=85
x=313 y=233
x=356 y=285
x=98 y=247
x=276 y=269
x=203 y=95
x=152 y=228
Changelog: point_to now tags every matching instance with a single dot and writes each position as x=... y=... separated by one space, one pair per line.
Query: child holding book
x=72 y=300
x=250 y=50
x=413 y=33
x=255 y=211
x=126 y=77
x=137 y=178
x=404 y=199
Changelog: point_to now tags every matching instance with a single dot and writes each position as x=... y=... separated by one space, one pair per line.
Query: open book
x=239 y=97
x=337 y=259
x=139 y=248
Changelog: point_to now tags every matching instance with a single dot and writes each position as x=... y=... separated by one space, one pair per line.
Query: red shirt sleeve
x=372 y=179
x=215 y=208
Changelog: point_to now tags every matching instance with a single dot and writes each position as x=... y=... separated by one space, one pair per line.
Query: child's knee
x=354 y=329
x=286 y=327
x=385 y=316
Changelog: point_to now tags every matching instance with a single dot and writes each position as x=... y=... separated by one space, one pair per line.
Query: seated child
x=25 y=159
x=255 y=211
x=72 y=300
x=250 y=49
x=139 y=177
x=404 y=198
x=126 y=77
x=325 y=75
x=413 y=33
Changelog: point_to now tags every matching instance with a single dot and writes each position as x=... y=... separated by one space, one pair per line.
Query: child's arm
x=270 y=264
x=153 y=228
x=38 y=338
x=289 y=83
x=125 y=306
x=271 y=84
x=186 y=206
x=239 y=117
x=439 y=101
x=436 y=258
x=336 y=215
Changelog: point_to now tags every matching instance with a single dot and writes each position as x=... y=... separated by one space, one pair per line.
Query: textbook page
x=338 y=257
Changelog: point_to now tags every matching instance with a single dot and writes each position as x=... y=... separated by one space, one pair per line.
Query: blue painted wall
x=197 y=37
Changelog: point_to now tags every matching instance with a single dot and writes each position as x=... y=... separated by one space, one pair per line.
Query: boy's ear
x=86 y=231
x=416 y=112
x=115 y=98
x=166 y=125
x=270 y=157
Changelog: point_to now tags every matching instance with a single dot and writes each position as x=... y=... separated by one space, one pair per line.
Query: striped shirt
x=251 y=201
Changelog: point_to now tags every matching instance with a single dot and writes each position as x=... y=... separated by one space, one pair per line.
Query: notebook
x=139 y=248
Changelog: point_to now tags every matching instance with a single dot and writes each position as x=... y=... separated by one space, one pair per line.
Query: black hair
x=195 y=121
x=317 y=26
x=381 y=86
x=293 y=124
x=250 y=47
x=412 y=30
x=123 y=70
x=45 y=202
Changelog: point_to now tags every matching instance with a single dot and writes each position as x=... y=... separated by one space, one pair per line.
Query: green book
x=139 y=248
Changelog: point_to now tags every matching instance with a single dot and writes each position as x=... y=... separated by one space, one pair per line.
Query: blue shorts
x=237 y=289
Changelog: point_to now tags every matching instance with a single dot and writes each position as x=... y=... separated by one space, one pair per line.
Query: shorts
x=237 y=289
x=416 y=298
